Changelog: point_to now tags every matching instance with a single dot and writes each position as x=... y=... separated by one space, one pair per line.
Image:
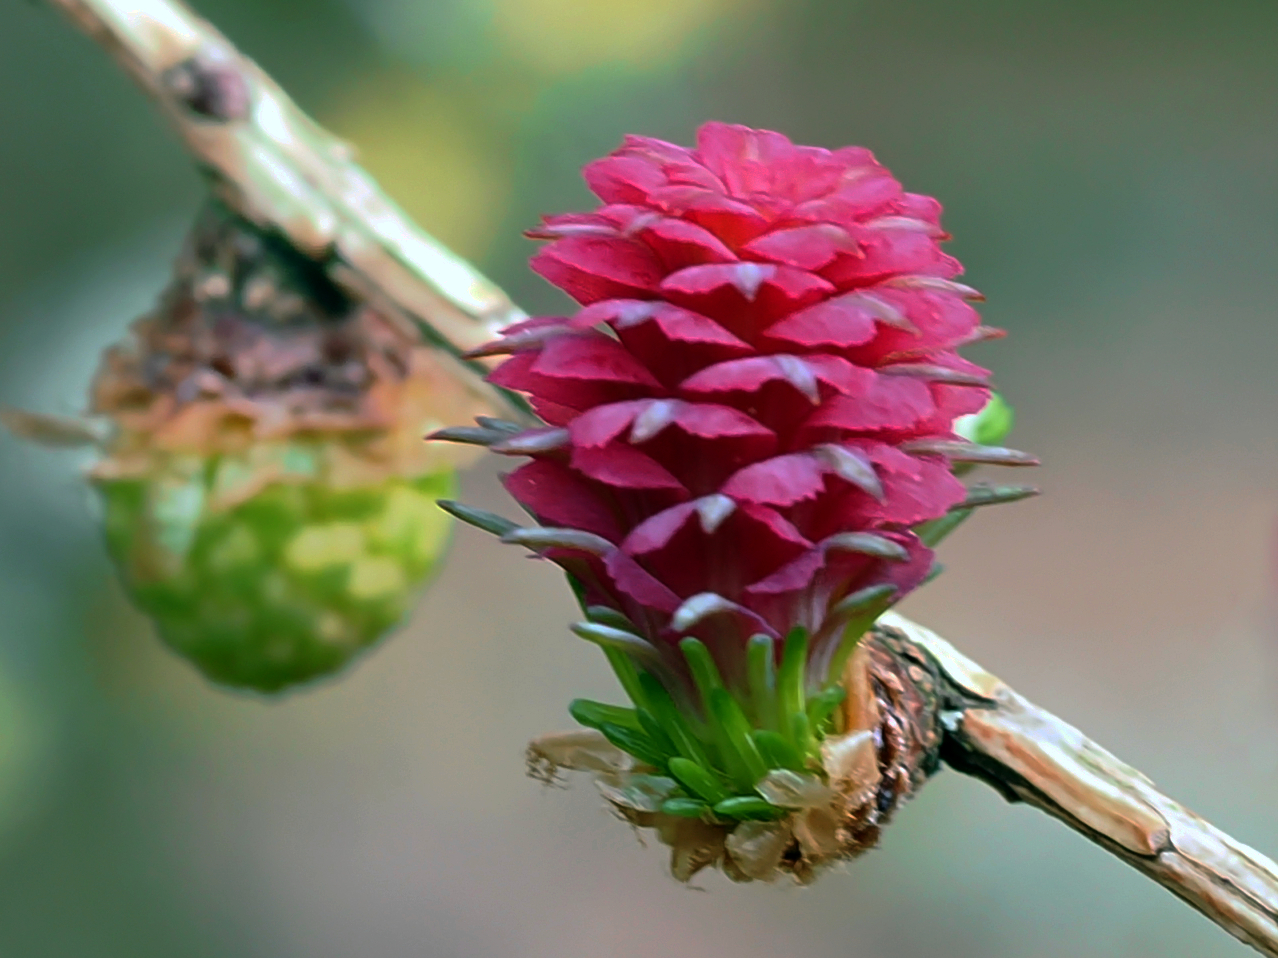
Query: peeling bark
x=1031 y=756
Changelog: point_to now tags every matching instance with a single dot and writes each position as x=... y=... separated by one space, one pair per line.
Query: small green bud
x=990 y=426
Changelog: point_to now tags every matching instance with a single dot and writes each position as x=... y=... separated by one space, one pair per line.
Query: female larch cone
x=749 y=447
x=267 y=495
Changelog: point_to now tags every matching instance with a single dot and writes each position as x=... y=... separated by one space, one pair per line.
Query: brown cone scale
x=252 y=345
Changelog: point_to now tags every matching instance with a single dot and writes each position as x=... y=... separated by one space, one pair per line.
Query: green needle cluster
x=716 y=758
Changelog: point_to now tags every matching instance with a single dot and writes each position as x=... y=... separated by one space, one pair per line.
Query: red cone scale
x=754 y=407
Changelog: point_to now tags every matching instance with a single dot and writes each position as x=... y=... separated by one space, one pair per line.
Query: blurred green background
x=1109 y=172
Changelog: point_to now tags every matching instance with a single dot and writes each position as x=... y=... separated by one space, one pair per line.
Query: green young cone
x=989 y=426
x=268 y=496
x=284 y=587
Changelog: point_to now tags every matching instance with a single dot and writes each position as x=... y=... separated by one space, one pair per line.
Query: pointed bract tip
x=867 y=543
x=852 y=467
x=501 y=425
x=713 y=510
x=699 y=607
x=915 y=281
x=607 y=615
x=549 y=537
x=959 y=451
x=996 y=495
x=479 y=518
x=532 y=442
x=613 y=638
x=799 y=374
x=936 y=374
x=654 y=418
x=519 y=341
x=470 y=435
x=861 y=601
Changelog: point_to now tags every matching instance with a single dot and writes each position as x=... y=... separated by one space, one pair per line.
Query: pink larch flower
x=746 y=422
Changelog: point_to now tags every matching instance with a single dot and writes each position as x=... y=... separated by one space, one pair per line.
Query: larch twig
x=281 y=170
x=1029 y=755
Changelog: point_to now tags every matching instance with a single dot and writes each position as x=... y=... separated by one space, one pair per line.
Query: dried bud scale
x=268 y=498
x=754 y=424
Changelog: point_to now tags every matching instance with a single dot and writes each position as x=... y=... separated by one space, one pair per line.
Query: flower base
x=887 y=747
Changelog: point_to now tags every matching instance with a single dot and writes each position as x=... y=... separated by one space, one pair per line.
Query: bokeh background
x=1109 y=172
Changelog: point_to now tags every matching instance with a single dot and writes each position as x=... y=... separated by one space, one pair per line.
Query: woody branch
x=278 y=168
x=270 y=162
